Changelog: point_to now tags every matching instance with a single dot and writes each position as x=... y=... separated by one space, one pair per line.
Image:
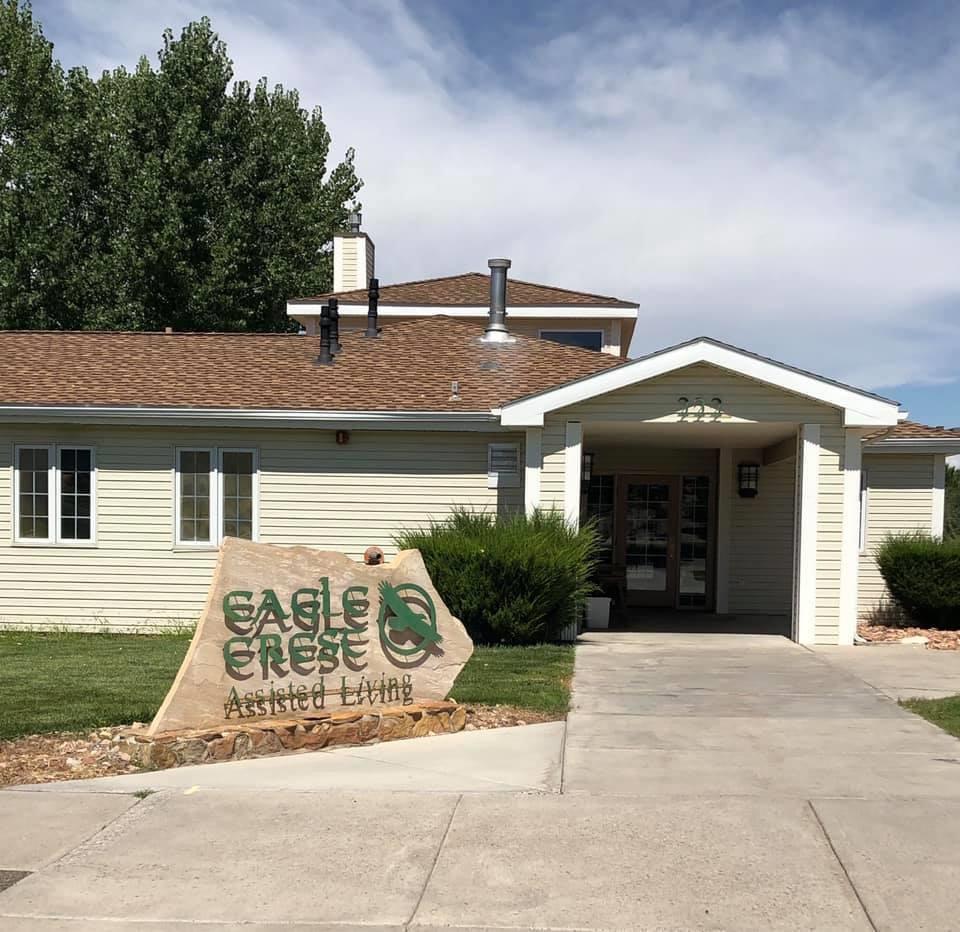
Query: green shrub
x=923 y=576
x=510 y=580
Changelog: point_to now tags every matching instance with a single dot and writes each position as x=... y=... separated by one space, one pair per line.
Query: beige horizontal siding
x=761 y=539
x=743 y=400
x=899 y=499
x=829 y=534
x=312 y=492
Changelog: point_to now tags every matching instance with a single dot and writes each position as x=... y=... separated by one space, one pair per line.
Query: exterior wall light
x=748 y=480
x=343 y=437
x=586 y=467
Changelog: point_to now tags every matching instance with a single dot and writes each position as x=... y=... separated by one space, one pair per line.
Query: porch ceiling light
x=748 y=480
x=586 y=471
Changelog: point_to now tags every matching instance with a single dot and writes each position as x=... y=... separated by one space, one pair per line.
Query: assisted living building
x=723 y=482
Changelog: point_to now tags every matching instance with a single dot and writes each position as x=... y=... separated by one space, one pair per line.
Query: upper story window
x=216 y=495
x=585 y=339
x=54 y=491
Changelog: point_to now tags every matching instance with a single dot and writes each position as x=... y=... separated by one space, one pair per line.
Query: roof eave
x=250 y=417
x=932 y=445
x=520 y=311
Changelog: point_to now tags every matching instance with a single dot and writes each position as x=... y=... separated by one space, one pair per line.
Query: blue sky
x=782 y=176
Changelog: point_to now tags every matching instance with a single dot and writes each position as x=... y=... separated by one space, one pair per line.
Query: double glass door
x=665 y=540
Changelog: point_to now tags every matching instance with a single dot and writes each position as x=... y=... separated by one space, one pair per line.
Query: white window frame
x=506 y=480
x=214 y=538
x=216 y=496
x=603 y=336
x=53 y=538
x=254 y=488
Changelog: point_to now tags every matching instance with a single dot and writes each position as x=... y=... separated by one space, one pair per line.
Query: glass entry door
x=649 y=512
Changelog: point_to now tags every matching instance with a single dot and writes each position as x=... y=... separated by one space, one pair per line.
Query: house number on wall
x=697 y=410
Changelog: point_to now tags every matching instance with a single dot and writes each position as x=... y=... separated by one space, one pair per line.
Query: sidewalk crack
x=433 y=864
x=843 y=867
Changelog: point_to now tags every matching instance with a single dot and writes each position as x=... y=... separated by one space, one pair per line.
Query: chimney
x=353 y=253
x=326 y=357
x=496 y=331
x=373 y=299
x=335 y=346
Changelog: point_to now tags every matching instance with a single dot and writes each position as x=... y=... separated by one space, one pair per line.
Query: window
x=54 y=495
x=503 y=465
x=601 y=505
x=238 y=469
x=75 y=493
x=216 y=495
x=585 y=339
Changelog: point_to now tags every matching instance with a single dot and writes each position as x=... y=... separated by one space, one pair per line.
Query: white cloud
x=791 y=186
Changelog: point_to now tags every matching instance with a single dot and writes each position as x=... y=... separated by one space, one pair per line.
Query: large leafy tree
x=159 y=197
x=952 y=505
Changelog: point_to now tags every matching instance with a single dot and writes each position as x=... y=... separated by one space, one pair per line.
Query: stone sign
x=291 y=631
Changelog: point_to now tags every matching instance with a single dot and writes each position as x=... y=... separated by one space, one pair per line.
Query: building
x=724 y=482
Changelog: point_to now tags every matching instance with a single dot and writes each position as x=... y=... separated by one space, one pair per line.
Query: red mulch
x=890 y=634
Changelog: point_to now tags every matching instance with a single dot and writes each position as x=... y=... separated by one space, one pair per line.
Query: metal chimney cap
x=498 y=263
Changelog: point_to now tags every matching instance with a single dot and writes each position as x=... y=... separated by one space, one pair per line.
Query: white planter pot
x=598 y=612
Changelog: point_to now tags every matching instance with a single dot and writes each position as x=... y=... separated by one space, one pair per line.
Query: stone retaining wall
x=311 y=732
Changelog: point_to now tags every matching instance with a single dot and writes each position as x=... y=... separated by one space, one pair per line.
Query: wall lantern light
x=586 y=471
x=748 y=480
x=343 y=437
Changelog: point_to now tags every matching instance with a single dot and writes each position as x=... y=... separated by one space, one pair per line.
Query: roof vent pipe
x=335 y=346
x=496 y=331
x=373 y=298
x=326 y=357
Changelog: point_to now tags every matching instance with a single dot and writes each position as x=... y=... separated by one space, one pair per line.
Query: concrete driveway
x=702 y=782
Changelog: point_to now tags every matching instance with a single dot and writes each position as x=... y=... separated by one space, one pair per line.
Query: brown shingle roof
x=409 y=368
x=472 y=290
x=911 y=430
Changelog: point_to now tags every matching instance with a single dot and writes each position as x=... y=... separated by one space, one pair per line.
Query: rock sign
x=292 y=631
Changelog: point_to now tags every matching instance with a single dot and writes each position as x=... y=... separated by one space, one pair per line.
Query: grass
x=76 y=682
x=942 y=712
x=526 y=677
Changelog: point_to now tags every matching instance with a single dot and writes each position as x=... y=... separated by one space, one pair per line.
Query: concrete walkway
x=708 y=782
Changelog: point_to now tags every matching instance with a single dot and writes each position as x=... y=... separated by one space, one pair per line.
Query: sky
x=785 y=177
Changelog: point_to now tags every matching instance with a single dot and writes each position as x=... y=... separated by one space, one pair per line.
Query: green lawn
x=942 y=712
x=76 y=682
x=527 y=677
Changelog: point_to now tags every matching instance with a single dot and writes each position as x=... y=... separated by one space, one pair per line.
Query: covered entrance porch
x=696 y=520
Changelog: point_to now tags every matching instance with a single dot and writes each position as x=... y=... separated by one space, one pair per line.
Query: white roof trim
x=380 y=420
x=567 y=312
x=861 y=409
x=914 y=445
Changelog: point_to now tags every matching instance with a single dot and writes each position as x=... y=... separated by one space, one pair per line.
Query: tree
x=169 y=197
x=952 y=504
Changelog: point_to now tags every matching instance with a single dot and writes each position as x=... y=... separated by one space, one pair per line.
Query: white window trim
x=503 y=480
x=604 y=346
x=255 y=488
x=54 y=485
x=216 y=496
x=214 y=539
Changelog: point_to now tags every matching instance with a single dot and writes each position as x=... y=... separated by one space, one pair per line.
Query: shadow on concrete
x=680 y=622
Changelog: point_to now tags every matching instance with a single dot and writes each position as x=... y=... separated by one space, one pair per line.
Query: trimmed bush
x=510 y=580
x=923 y=576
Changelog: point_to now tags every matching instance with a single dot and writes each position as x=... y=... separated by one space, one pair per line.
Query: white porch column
x=808 y=492
x=939 y=494
x=572 y=469
x=850 y=545
x=724 y=515
x=533 y=448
